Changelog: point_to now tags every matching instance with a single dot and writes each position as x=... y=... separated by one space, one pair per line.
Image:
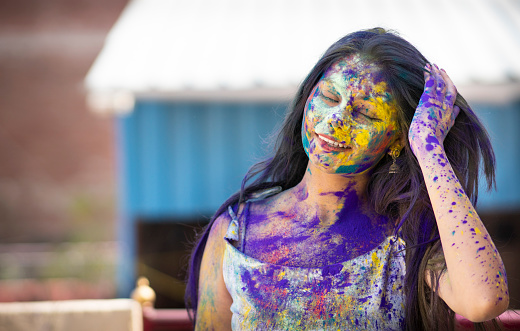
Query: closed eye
x=329 y=97
x=364 y=109
x=360 y=112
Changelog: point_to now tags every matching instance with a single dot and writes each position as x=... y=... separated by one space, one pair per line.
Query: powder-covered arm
x=214 y=301
x=475 y=284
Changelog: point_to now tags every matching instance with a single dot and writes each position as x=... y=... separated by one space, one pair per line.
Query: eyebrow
x=386 y=96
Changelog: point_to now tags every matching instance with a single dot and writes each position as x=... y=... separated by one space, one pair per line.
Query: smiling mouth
x=332 y=143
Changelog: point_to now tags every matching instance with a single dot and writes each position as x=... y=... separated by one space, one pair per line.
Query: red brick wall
x=57 y=167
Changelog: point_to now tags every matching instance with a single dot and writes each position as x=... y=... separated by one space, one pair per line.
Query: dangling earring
x=394 y=168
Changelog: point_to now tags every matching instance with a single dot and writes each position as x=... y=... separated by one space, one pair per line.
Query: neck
x=330 y=193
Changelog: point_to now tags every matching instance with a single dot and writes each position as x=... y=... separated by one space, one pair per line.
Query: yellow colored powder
x=375 y=259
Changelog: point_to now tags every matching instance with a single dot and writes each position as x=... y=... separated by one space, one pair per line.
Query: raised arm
x=214 y=301
x=475 y=284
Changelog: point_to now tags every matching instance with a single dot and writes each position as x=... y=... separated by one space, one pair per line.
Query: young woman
x=364 y=217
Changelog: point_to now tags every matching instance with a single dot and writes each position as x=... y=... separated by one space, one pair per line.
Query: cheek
x=308 y=144
x=381 y=140
x=309 y=114
x=373 y=141
x=307 y=128
x=310 y=105
x=314 y=116
x=362 y=137
x=380 y=144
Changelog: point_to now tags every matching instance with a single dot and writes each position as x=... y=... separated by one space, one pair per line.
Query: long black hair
x=402 y=197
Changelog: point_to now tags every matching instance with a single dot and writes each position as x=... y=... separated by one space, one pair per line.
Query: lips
x=329 y=144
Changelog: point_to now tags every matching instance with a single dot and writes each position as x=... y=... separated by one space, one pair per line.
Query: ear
x=398 y=143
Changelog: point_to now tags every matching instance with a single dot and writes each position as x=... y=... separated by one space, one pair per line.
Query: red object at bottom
x=166 y=320
x=178 y=320
x=509 y=320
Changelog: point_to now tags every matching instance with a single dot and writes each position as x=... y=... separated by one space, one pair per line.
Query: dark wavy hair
x=402 y=197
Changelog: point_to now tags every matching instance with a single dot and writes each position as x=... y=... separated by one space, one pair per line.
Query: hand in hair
x=474 y=283
x=436 y=113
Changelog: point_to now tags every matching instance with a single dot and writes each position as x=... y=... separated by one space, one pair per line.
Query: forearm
x=475 y=270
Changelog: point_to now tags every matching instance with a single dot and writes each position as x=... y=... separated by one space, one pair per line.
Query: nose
x=340 y=116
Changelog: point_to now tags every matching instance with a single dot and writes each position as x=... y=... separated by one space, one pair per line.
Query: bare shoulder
x=219 y=228
x=273 y=203
x=214 y=302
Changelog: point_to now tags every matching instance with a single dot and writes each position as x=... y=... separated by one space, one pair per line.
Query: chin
x=344 y=170
x=353 y=170
x=341 y=170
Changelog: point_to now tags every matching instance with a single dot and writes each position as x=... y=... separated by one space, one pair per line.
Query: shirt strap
x=237 y=231
x=233 y=228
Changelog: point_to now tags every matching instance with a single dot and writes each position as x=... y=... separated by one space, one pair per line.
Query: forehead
x=353 y=70
x=363 y=82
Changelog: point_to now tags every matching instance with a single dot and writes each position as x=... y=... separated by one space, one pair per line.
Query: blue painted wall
x=503 y=125
x=185 y=159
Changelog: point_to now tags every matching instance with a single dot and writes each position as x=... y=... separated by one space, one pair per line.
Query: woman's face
x=350 y=118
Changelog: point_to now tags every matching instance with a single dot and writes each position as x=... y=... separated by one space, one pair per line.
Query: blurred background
x=124 y=125
x=57 y=168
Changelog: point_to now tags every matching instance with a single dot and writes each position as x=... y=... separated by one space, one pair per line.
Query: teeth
x=332 y=143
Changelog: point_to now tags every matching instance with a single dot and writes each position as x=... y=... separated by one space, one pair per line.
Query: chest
x=304 y=239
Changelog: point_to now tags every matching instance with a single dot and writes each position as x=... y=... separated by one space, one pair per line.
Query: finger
x=451 y=90
x=441 y=85
x=454 y=114
x=456 y=111
x=429 y=80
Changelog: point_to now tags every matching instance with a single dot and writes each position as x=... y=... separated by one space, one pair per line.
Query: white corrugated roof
x=264 y=48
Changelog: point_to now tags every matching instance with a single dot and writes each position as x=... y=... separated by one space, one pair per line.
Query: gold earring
x=394 y=168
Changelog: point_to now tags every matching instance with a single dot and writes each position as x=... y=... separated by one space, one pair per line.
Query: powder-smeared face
x=350 y=118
